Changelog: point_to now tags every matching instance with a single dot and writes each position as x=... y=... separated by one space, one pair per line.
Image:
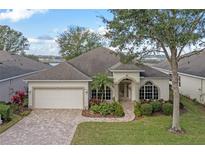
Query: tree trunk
x=176 y=97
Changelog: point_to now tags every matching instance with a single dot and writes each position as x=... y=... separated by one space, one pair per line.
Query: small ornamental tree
x=99 y=82
x=169 y=32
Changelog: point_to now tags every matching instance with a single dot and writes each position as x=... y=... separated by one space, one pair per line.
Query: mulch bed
x=88 y=113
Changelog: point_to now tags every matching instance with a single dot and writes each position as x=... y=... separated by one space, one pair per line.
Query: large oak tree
x=163 y=31
x=12 y=40
x=77 y=40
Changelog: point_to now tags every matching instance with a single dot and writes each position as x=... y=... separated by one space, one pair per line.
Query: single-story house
x=68 y=85
x=13 y=69
x=191 y=75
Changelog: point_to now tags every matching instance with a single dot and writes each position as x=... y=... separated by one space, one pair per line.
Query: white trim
x=18 y=76
x=180 y=73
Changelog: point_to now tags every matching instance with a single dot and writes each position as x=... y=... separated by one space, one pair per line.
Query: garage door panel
x=58 y=98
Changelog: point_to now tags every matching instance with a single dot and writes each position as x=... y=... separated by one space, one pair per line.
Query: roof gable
x=96 y=61
x=63 y=71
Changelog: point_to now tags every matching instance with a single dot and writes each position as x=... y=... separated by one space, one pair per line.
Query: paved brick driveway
x=43 y=127
x=53 y=126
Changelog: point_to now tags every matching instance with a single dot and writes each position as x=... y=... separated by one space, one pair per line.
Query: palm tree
x=99 y=82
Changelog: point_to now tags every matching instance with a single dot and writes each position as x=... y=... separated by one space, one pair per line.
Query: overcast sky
x=41 y=27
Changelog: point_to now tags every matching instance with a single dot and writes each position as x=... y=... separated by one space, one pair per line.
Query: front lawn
x=14 y=119
x=148 y=130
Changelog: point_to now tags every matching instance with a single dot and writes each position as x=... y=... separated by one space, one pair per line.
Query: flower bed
x=104 y=109
x=13 y=111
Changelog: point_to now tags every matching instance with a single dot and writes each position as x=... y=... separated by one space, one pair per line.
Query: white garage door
x=52 y=98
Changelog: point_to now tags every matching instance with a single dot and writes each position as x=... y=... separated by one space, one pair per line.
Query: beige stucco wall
x=162 y=84
x=133 y=76
x=59 y=84
x=118 y=76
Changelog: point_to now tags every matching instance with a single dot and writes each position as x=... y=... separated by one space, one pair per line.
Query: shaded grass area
x=14 y=119
x=148 y=130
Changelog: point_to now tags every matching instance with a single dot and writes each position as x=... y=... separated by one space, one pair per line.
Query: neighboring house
x=68 y=85
x=13 y=69
x=191 y=75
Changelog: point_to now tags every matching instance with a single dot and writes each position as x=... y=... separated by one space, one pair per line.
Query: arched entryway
x=125 y=90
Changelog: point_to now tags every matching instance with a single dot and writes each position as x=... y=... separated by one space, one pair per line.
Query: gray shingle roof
x=193 y=65
x=15 y=65
x=89 y=64
x=121 y=66
x=96 y=61
x=151 y=72
x=63 y=71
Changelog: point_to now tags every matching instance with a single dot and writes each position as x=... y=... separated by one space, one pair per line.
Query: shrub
x=2 y=102
x=167 y=108
x=5 y=112
x=146 y=109
x=104 y=109
x=18 y=98
x=118 y=109
x=137 y=110
x=156 y=106
x=94 y=101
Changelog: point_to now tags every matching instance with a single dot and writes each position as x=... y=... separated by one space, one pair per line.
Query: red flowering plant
x=18 y=98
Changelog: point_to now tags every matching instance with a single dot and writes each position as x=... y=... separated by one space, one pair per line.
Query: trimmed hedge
x=167 y=108
x=137 y=110
x=156 y=106
x=146 y=109
x=5 y=112
x=104 y=109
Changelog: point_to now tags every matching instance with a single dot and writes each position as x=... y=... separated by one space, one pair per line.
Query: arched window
x=149 y=91
x=105 y=93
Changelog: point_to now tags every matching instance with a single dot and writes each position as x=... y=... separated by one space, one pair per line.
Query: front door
x=124 y=91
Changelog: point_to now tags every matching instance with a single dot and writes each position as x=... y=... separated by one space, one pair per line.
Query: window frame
x=146 y=93
x=107 y=93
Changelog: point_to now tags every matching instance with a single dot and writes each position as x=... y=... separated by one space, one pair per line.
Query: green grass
x=148 y=130
x=14 y=119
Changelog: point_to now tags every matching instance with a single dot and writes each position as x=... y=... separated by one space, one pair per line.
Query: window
x=149 y=91
x=105 y=93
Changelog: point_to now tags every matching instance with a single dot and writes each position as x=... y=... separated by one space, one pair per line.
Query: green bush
x=156 y=106
x=118 y=109
x=137 y=110
x=167 y=108
x=2 y=102
x=5 y=112
x=146 y=109
x=14 y=108
x=25 y=102
x=104 y=109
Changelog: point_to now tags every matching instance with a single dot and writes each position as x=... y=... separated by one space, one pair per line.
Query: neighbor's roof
x=96 y=61
x=193 y=64
x=62 y=71
x=14 y=65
